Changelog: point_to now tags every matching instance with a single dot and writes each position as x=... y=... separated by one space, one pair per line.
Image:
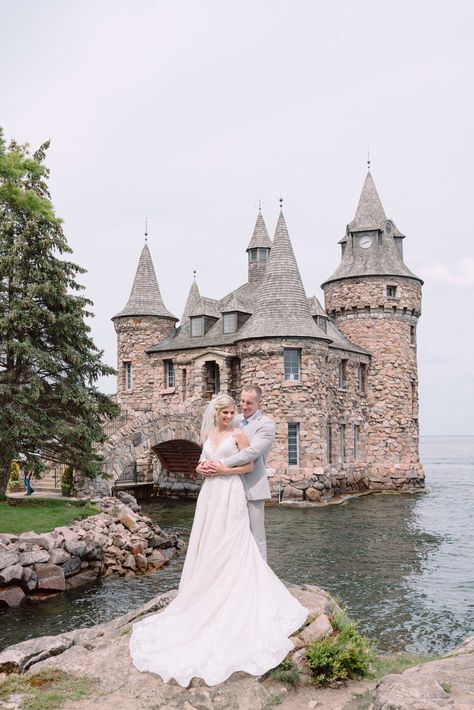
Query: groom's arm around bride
x=261 y=434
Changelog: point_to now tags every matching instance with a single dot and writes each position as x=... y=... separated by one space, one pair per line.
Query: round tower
x=143 y=322
x=375 y=301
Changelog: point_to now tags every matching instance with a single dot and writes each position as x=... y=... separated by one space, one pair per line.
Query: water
x=402 y=564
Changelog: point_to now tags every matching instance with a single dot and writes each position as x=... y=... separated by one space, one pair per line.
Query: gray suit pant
x=256 y=510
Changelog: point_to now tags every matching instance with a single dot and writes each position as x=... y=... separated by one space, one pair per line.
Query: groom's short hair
x=255 y=389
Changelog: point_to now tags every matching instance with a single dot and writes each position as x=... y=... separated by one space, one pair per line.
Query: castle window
x=342 y=443
x=292 y=361
x=343 y=374
x=322 y=322
x=169 y=373
x=361 y=377
x=184 y=381
x=329 y=443
x=293 y=443
x=412 y=335
x=229 y=322
x=356 y=442
x=391 y=291
x=197 y=326
x=212 y=379
x=127 y=369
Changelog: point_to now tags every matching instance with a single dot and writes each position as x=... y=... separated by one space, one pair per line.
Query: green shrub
x=345 y=654
x=286 y=672
x=14 y=484
x=67 y=481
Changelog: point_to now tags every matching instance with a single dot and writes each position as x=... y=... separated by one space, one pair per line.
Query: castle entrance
x=175 y=468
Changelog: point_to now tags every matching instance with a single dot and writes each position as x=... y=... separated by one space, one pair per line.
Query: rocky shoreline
x=100 y=653
x=118 y=541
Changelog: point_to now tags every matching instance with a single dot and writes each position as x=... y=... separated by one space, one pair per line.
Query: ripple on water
x=401 y=564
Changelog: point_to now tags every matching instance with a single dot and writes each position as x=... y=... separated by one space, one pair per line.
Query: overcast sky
x=189 y=113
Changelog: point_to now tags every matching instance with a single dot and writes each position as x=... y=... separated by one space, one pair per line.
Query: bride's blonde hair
x=221 y=402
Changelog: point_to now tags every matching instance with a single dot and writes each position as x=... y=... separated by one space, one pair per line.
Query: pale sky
x=189 y=113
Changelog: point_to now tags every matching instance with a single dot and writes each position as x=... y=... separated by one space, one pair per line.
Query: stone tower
x=144 y=320
x=375 y=301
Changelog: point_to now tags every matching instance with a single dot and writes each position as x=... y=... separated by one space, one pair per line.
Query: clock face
x=365 y=241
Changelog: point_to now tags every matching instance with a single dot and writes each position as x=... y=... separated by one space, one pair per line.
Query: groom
x=260 y=431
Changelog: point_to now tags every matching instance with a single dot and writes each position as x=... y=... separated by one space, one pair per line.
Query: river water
x=402 y=564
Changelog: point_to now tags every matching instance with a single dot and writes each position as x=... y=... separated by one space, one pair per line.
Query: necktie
x=244 y=422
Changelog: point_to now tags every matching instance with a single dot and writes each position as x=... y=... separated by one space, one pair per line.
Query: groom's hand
x=216 y=467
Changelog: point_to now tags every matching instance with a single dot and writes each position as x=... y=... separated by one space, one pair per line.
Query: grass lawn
x=41 y=515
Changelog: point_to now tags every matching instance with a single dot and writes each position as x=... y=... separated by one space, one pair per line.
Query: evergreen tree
x=49 y=405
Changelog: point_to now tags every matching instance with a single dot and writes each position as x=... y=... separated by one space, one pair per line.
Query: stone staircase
x=49 y=484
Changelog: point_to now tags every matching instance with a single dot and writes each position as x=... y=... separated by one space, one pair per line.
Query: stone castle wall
x=387 y=328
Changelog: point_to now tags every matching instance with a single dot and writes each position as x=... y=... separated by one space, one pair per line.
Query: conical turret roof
x=369 y=214
x=281 y=306
x=381 y=257
x=145 y=297
x=193 y=298
x=260 y=236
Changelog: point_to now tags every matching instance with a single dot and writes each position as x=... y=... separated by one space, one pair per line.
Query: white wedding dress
x=232 y=613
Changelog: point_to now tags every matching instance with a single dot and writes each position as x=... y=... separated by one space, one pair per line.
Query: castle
x=340 y=382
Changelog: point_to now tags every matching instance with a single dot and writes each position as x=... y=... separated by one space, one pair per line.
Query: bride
x=231 y=613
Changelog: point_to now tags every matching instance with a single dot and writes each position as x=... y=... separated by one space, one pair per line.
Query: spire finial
x=260 y=206
x=146 y=229
x=194 y=274
x=368 y=158
x=281 y=203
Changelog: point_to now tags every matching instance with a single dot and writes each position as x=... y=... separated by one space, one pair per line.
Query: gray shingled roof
x=234 y=304
x=281 y=307
x=370 y=213
x=383 y=257
x=206 y=307
x=193 y=297
x=145 y=297
x=316 y=308
x=260 y=236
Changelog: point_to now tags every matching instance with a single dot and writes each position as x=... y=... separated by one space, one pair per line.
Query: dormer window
x=229 y=322
x=197 y=326
x=322 y=322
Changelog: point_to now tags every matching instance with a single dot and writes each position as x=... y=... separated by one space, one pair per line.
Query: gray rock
x=34 y=557
x=11 y=574
x=29 y=579
x=81 y=578
x=8 y=558
x=58 y=556
x=12 y=596
x=318 y=629
x=40 y=540
x=75 y=547
x=50 y=577
x=72 y=566
x=447 y=683
x=18 y=658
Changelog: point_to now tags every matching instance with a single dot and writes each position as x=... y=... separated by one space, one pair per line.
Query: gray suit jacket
x=261 y=433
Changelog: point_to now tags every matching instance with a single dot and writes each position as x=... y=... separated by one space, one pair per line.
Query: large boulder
x=8 y=558
x=12 y=596
x=50 y=577
x=33 y=557
x=11 y=574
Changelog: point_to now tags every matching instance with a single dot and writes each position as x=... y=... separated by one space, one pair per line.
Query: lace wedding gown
x=231 y=613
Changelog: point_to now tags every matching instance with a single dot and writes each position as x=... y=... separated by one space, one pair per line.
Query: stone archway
x=148 y=446
x=176 y=472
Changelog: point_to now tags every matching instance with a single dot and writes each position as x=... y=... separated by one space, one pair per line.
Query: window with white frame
x=127 y=369
x=343 y=374
x=170 y=380
x=229 y=322
x=293 y=443
x=197 y=326
x=292 y=363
